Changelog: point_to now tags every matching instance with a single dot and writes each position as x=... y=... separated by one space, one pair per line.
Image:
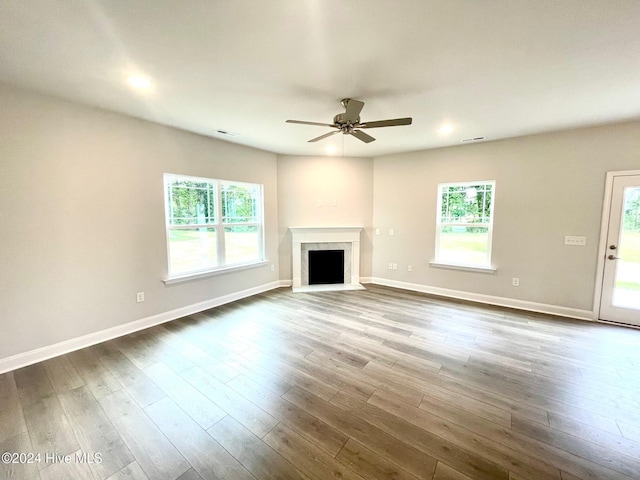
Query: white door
x=620 y=300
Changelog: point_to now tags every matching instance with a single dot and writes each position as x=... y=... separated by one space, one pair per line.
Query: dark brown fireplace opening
x=326 y=267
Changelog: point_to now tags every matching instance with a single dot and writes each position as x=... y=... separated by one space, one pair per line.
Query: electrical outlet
x=391 y=266
x=273 y=267
x=515 y=281
x=409 y=268
x=377 y=231
x=395 y=266
x=140 y=297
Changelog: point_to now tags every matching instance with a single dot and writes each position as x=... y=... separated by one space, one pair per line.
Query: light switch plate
x=575 y=240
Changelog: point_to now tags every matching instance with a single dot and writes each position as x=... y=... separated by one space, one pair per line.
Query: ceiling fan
x=349 y=122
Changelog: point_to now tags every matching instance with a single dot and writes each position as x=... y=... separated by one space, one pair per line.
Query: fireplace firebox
x=326 y=267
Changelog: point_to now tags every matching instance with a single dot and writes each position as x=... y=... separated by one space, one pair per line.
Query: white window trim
x=483 y=268
x=468 y=268
x=219 y=226
x=212 y=272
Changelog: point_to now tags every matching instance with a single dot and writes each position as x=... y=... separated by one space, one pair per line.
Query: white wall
x=303 y=181
x=82 y=218
x=547 y=186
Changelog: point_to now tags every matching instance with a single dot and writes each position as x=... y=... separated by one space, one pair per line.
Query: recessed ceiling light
x=139 y=82
x=445 y=129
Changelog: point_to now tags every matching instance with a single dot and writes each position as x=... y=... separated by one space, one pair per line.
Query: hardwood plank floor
x=373 y=384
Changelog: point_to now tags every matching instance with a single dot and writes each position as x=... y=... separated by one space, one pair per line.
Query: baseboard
x=43 y=353
x=489 y=299
x=288 y=283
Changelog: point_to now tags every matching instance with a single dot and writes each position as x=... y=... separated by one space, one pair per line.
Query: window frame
x=218 y=224
x=486 y=266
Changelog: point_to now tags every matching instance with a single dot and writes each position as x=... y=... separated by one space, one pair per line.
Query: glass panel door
x=621 y=280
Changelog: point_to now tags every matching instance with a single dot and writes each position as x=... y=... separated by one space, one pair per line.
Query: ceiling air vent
x=474 y=139
x=227 y=132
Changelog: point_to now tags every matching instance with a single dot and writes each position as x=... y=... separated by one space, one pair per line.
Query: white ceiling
x=493 y=68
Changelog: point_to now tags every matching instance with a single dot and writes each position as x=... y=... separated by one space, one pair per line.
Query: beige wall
x=547 y=186
x=303 y=181
x=82 y=215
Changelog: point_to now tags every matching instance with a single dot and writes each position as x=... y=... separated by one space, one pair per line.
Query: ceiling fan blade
x=312 y=123
x=324 y=136
x=353 y=107
x=387 y=123
x=362 y=136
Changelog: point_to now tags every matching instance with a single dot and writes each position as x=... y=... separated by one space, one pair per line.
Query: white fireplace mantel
x=301 y=235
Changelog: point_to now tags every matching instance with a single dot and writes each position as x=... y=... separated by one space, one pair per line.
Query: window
x=464 y=223
x=212 y=224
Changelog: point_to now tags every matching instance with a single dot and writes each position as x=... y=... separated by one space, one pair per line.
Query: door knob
x=613 y=257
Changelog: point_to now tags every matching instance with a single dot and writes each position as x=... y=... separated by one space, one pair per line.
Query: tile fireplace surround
x=304 y=239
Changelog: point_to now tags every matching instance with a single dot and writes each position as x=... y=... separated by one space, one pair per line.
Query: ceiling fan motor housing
x=341 y=119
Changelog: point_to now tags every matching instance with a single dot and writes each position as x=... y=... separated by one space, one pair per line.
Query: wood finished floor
x=369 y=384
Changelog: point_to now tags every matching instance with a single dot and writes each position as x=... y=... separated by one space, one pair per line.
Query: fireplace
x=326 y=267
x=308 y=242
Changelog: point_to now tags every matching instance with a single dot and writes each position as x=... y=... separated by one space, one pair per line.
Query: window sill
x=212 y=273
x=468 y=268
